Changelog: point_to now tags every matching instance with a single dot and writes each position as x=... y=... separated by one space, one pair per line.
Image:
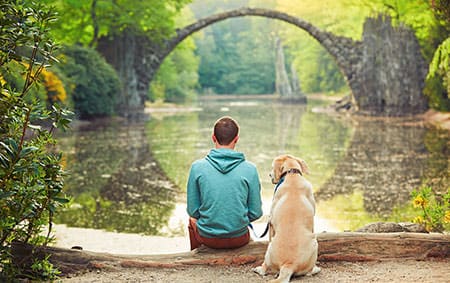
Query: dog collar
x=291 y=171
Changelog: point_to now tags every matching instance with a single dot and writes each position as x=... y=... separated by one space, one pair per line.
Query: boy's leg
x=216 y=243
x=194 y=237
x=226 y=243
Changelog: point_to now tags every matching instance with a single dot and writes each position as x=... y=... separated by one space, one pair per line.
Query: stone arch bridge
x=385 y=70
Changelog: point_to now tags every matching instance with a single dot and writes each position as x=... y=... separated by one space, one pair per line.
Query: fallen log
x=379 y=246
x=332 y=247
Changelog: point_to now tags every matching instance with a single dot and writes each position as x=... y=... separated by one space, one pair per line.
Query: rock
x=392 y=227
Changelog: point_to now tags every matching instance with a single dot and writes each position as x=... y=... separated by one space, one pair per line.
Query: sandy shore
x=133 y=244
x=117 y=243
x=430 y=271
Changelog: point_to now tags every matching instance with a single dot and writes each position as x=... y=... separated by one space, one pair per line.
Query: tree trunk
x=332 y=247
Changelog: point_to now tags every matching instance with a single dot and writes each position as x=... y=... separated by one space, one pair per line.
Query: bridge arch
x=345 y=51
x=385 y=70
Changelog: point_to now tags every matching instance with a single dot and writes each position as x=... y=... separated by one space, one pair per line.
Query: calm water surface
x=131 y=177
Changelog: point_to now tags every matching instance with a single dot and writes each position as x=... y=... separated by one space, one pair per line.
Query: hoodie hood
x=224 y=160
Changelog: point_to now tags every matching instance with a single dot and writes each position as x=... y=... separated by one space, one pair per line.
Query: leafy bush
x=13 y=75
x=434 y=209
x=31 y=177
x=54 y=87
x=438 y=79
x=96 y=84
x=50 y=88
x=436 y=93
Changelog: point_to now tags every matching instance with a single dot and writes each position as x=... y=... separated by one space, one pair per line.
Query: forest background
x=235 y=56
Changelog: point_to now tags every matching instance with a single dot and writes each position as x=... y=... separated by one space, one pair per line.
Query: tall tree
x=86 y=21
x=127 y=33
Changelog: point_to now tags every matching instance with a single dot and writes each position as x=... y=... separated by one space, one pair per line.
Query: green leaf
x=28 y=150
x=61 y=200
x=4 y=161
x=8 y=149
x=13 y=143
x=51 y=208
x=19 y=169
x=34 y=127
x=6 y=194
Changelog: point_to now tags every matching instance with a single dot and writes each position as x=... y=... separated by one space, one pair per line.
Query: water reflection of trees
x=115 y=182
x=288 y=126
x=437 y=173
x=386 y=161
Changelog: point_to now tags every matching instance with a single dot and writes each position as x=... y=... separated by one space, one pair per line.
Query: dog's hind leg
x=284 y=276
x=261 y=270
x=314 y=271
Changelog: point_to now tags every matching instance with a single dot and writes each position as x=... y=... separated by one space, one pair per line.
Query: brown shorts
x=215 y=243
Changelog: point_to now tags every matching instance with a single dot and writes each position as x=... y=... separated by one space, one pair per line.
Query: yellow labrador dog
x=292 y=248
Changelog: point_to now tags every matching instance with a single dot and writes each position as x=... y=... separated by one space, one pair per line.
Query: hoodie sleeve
x=193 y=195
x=254 y=198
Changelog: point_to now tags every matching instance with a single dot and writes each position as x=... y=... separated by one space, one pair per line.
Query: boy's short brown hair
x=225 y=130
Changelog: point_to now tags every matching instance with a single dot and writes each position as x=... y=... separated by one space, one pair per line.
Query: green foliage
x=175 y=81
x=442 y=9
x=322 y=75
x=31 y=177
x=436 y=93
x=316 y=69
x=237 y=55
x=96 y=84
x=327 y=75
x=440 y=65
x=177 y=77
x=434 y=210
x=13 y=74
x=44 y=269
x=86 y=21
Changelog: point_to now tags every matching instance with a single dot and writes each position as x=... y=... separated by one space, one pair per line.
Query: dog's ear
x=277 y=169
x=303 y=165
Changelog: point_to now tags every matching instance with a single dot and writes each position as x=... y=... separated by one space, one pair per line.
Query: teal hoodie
x=223 y=194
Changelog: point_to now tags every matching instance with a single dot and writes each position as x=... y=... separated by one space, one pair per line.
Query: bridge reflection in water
x=131 y=177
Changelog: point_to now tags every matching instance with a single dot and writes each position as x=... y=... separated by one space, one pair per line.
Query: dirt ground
x=382 y=271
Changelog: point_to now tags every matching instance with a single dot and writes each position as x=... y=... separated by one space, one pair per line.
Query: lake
x=131 y=176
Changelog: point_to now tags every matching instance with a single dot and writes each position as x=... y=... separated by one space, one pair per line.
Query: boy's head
x=226 y=129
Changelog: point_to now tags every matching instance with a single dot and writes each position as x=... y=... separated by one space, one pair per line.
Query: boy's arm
x=254 y=198
x=193 y=196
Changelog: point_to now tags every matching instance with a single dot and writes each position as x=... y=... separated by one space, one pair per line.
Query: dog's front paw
x=260 y=270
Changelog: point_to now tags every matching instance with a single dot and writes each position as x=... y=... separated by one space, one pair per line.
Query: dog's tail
x=285 y=275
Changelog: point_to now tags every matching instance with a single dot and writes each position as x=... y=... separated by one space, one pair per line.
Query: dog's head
x=283 y=163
